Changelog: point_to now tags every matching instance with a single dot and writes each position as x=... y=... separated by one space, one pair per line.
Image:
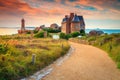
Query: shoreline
x=14 y=31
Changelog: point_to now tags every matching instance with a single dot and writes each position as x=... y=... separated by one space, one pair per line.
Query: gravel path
x=85 y=63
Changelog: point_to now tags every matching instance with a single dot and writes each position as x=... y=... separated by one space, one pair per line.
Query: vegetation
x=62 y=35
x=50 y=30
x=82 y=32
x=40 y=34
x=16 y=54
x=35 y=31
x=109 y=43
x=75 y=34
x=67 y=36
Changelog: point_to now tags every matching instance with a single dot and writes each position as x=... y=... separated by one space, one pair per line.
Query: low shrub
x=67 y=36
x=3 y=48
x=35 y=31
x=62 y=35
x=75 y=34
x=39 y=34
x=16 y=62
x=28 y=32
x=82 y=32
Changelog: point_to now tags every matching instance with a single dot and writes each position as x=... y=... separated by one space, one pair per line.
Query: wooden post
x=62 y=46
x=110 y=47
x=33 y=58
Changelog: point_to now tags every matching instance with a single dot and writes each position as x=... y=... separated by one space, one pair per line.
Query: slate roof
x=64 y=19
x=80 y=17
x=75 y=19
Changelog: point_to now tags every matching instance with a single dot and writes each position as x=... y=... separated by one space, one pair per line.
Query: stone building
x=95 y=32
x=72 y=23
x=54 y=26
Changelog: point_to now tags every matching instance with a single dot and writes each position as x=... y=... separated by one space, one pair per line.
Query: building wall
x=75 y=26
x=63 y=29
x=69 y=26
x=82 y=26
x=69 y=22
x=66 y=28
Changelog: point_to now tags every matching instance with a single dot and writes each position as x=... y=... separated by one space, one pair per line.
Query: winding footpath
x=85 y=63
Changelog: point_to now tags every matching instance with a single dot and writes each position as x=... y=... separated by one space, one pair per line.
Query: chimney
x=71 y=14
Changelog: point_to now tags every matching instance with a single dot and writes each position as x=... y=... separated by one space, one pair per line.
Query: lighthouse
x=22 y=25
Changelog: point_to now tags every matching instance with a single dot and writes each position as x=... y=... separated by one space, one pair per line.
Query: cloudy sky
x=96 y=13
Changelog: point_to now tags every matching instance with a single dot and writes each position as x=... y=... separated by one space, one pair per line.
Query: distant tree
x=51 y=30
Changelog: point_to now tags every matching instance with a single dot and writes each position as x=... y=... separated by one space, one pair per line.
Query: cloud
x=58 y=7
x=91 y=8
x=47 y=11
x=12 y=7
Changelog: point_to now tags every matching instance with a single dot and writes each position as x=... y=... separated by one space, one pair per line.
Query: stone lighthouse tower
x=22 y=25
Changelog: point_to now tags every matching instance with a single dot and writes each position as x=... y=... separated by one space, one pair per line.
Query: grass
x=109 y=43
x=16 y=55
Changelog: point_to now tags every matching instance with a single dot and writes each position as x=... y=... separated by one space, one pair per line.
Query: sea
x=10 y=31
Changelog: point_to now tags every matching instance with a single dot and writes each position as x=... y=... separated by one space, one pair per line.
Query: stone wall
x=63 y=29
x=75 y=27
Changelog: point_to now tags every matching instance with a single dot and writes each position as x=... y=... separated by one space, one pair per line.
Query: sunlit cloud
x=38 y=12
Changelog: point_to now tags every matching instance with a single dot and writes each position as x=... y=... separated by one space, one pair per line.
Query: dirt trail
x=85 y=63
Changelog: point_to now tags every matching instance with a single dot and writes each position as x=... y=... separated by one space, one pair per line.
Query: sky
x=102 y=14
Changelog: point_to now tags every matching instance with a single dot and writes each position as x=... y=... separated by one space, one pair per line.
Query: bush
x=39 y=34
x=62 y=35
x=28 y=32
x=67 y=36
x=82 y=32
x=50 y=30
x=3 y=48
x=75 y=34
x=35 y=31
